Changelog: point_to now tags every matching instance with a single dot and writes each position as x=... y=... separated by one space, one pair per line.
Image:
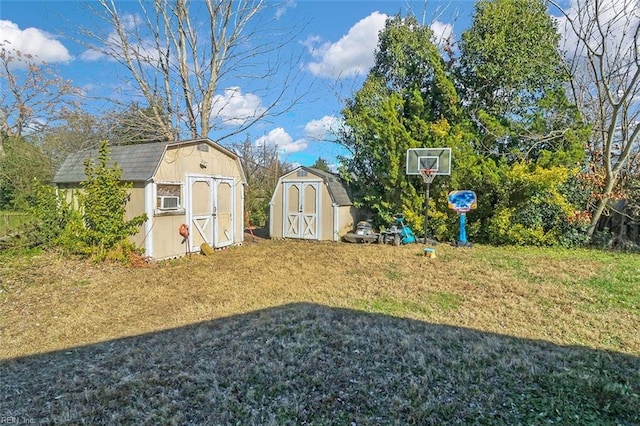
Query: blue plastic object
x=406 y=233
x=462 y=237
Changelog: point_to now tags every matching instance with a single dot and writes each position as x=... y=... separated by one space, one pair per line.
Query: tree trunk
x=597 y=214
x=602 y=204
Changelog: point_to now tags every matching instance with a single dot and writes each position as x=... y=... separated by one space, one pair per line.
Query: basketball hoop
x=428 y=175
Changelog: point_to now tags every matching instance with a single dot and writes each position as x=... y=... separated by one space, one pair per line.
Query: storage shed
x=313 y=204
x=197 y=182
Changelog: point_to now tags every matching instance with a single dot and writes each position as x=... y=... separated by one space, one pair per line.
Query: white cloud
x=322 y=129
x=234 y=108
x=313 y=130
x=92 y=55
x=43 y=47
x=283 y=7
x=442 y=33
x=280 y=138
x=618 y=18
x=353 y=54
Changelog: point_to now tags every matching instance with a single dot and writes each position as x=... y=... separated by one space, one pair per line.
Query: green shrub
x=103 y=202
x=51 y=213
x=96 y=227
x=538 y=207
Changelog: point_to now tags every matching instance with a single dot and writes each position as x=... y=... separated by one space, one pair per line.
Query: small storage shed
x=312 y=204
x=195 y=182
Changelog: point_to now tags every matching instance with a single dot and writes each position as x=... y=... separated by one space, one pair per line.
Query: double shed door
x=211 y=204
x=301 y=210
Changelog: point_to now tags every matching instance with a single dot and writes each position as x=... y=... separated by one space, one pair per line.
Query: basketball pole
x=428 y=162
x=426 y=210
x=427 y=175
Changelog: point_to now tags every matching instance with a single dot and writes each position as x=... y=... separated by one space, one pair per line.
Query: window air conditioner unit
x=169 y=202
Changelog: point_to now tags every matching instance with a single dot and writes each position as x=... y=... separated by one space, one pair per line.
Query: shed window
x=301 y=173
x=169 y=196
x=203 y=147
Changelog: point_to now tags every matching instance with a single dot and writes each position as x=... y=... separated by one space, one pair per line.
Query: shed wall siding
x=135 y=207
x=166 y=240
x=327 y=214
x=178 y=161
x=275 y=220
x=293 y=177
x=347 y=217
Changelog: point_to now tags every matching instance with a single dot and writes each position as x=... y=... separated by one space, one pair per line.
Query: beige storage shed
x=197 y=182
x=312 y=204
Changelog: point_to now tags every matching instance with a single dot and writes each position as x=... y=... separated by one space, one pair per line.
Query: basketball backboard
x=462 y=201
x=429 y=158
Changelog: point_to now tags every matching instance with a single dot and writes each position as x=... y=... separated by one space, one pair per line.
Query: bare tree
x=262 y=167
x=604 y=62
x=133 y=125
x=32 y=95
x=32 y=98
x=181 y=53
x=76 y=130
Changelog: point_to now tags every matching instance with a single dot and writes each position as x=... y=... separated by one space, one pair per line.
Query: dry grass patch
x=311 y=364
x=50 y=302
x=291 y=332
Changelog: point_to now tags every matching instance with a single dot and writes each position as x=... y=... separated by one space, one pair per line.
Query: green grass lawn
x=289 y=332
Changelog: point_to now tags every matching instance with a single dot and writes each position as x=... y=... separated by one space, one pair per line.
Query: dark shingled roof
x=138 y=162
x=337 y=189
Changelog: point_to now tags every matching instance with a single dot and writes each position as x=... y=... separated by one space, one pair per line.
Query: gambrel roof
x=337 y=189
x=138 y=162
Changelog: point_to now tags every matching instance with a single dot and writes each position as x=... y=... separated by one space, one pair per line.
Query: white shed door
x=223 y=212
x=301 y=204
x=211 y=206
x=200 y=212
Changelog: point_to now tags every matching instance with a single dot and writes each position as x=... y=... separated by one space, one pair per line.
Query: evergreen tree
x=512 y=77
x=321 y=164
x=103 y=203
x=407 y=101
x=514 y=136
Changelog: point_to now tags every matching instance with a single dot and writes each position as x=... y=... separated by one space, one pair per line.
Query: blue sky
x=337 y=40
